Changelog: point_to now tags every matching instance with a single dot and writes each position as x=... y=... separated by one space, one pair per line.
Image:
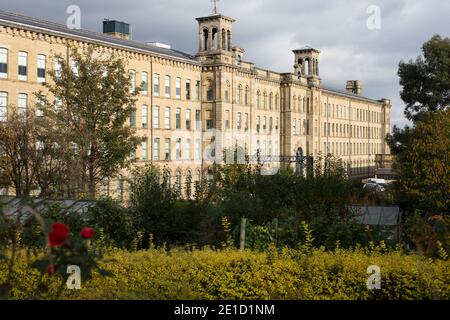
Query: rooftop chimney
x=354 y=86
x=116 y=28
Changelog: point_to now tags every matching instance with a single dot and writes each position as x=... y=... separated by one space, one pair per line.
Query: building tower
x=307 y=64
x=215 y=35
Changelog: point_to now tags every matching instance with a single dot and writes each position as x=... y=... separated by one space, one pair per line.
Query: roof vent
x=116 y=28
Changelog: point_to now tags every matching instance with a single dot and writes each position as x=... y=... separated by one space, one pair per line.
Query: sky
x=269 y=30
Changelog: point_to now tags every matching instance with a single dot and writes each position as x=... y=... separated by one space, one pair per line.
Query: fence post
x=242 y=235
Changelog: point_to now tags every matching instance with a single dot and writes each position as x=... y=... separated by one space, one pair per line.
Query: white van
x=375 y=180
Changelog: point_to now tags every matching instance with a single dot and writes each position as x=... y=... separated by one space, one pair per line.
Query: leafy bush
x=231 y=274
x=115 y=222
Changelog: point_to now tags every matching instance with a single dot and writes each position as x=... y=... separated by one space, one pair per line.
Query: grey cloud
x=268 y=30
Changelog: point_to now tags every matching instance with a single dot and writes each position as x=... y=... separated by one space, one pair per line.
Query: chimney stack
x=354 y=86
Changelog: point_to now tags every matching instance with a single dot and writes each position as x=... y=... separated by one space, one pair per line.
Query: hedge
x=233 y=275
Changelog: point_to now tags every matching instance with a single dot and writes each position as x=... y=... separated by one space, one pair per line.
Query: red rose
x=87 y=233
x=58 y=235
x=51 y=269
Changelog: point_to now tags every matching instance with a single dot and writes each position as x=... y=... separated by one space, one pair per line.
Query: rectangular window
x=144 y=116
x=188 y=119
x=156 y=149
x=40 y=106
x=167 y=149
x=258 y=123
x=3 y=63
x=187 y=149
x=197 y=90
x=132 y=81
x=178 y=149
x=23 y=103
x=178 y=118
x=209 y=121
x=58 y=104
x=133 y=118
x=74 y=68
x=144 y=83
x=156 y=117
x=156 y=85
x=167 y=118
x=167 y=86
x=58 y=67
x=238 y=121
x=227 y=119
x=198 y=150
x=198 y=120
x=144 y=149
x=3 y=106
x=246 y=121
x=264 y=123
x=178 y=88
x=41 y=68
x=188 y=89
x=23 y=63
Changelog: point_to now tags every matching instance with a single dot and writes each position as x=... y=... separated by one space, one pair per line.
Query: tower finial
x=215 y=6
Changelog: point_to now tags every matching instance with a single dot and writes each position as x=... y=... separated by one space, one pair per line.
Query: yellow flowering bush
x=312 y=273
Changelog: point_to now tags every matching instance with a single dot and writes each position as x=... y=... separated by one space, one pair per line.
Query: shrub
x=231 y=274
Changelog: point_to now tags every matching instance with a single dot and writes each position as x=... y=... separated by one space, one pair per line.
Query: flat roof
x=44 y=26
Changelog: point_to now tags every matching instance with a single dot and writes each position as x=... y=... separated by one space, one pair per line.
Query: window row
x=22 y=103
x=167 y=149
x=351 y=131
x=350 y=113
x=188 y=94
x=166 y=117
x=22 y=65
x=351 y=148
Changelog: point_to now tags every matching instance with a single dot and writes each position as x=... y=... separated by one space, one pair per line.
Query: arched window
x=239 y=94
x=178 y=180
x=265 y=101
x=276 y=101
x=227 y=92
x=271 y=101
x=246 y=95
x=209 y=91
x=215 y=38
x=304 y=104
x=258 y=100
x=224 y=40
x=188 y=182
x=205 y=39
x=198 y=176
x=229 y=40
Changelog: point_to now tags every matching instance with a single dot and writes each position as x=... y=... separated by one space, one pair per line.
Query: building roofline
x=349 y=95
x=19 y=20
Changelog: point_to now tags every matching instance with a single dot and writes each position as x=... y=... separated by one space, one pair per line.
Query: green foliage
x=426 y=81
x=231 y=274
x=115 y=222
x=95 y=105
x=422 y=162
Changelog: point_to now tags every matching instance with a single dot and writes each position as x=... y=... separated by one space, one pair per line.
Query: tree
x=18 y=142
x=94 y=100
x=423 y=162
x=426 y=81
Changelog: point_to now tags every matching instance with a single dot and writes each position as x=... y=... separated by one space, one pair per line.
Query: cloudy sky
x=269 y=30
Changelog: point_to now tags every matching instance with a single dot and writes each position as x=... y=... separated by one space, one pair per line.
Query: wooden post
x=276 y=231
x=242 y=236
